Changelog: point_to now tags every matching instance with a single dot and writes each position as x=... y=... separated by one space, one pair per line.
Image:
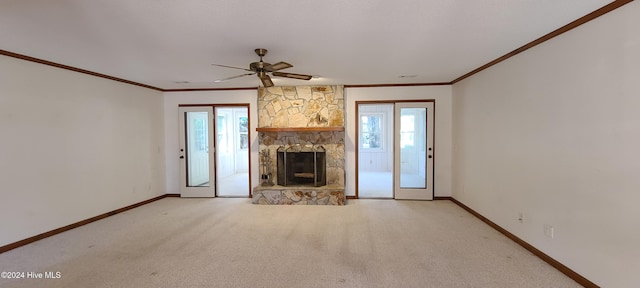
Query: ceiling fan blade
x=266 y=81
x=278 y=66
x=225 y=66
x=233 y=77
x=292 y=75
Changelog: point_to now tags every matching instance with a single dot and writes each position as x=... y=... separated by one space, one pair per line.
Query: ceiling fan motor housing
x=258 y=66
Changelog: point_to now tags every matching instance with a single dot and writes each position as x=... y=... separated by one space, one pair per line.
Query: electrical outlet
x=548 y=231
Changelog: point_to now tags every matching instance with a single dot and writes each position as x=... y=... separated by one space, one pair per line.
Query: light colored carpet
x=228 y=242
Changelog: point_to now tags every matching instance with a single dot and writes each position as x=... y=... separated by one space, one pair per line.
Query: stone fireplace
x=307 y=122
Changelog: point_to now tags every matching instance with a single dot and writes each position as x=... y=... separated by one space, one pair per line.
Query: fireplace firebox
x=302 y=166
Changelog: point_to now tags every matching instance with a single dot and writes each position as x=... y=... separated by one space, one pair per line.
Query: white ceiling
x=163 y=42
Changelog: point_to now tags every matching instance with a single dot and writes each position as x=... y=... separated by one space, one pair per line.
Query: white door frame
x=425 y=162
x=185 y=189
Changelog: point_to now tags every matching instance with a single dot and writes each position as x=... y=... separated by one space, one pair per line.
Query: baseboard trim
x=172 y=195
x=546 y=258
x=434 y=198
x=29 y=240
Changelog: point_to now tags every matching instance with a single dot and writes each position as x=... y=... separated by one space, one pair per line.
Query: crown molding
x=75 y=69
x=582 y=20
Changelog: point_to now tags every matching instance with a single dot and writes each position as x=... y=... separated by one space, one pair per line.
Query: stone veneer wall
x=301 y=106
x=304 y=107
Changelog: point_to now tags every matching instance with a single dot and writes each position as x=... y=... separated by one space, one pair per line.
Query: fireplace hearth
x=302 y=166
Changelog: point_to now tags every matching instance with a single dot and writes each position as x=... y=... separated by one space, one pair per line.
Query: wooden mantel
x=300 y=129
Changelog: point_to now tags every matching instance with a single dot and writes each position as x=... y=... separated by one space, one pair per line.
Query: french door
x=395 y=150
x=214 y=151
x=413 y=150
x=197 y=175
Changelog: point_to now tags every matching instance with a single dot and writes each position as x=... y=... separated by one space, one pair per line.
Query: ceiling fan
x=261 y=69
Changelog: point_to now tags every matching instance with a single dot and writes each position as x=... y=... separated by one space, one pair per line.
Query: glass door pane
x=197 y=149
x=412 y=147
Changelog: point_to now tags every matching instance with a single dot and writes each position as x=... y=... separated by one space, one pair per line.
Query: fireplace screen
x=302 y=166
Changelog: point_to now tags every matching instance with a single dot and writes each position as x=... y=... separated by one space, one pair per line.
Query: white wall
x=171 y=102
x=443 y=136
x=554 y=133
x=73 y=146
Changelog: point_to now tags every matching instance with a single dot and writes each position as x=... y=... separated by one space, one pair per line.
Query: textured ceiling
x=165 y=42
